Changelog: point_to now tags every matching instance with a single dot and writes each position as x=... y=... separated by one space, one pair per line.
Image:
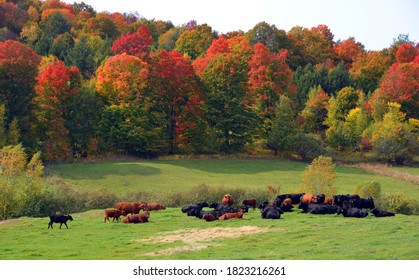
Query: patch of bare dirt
x=198 y=239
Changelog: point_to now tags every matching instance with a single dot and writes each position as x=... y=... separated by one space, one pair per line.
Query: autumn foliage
x=75 y=82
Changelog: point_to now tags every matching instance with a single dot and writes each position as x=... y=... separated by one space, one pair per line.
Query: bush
x=372 y=189
x=398 y=203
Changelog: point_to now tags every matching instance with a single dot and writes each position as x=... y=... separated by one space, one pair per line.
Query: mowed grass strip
x=295 y=236
x=121 y=177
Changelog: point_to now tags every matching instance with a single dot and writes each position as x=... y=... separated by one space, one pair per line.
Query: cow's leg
x=66 y=224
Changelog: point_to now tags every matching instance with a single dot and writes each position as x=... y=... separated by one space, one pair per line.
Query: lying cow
x=115 y=214
x=250 y=203
x=323 y=209
x=353 y=212
x=308 y=198
x=340 y=198
x=271 y=212
x=382 y=213
x=295 y=197
x=128 y=207
x=137 y=218
x=209 y=217
x=237 y=215
x=227 y=200
x=190 y=207
x=363 y=203
x=58 y=218
x=152 y=206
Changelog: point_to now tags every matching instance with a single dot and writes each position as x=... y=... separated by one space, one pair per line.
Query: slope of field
x=121 y=177
x=170 y=234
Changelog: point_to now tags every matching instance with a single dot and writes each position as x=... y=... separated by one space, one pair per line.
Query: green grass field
x=170 y=234
x=163 y=175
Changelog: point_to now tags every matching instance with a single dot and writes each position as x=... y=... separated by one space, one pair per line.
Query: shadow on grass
x=97 y=171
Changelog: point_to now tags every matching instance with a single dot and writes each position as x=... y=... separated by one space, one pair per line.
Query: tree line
x=78 y=83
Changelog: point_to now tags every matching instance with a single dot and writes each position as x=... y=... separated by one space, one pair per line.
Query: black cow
x=381 y=213
x=320 y=198
x=323 y=209
x=295 y=197
x=200 y=205
x=363 y=203
x=340 y=198
x=272 y=212
x=353 y=212
x=58 y=218
x=305 y=207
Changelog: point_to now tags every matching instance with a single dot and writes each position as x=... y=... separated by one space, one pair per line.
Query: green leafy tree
x=2 y=126
x=279 y=138
x=227 y=103
x=195 y=42
x=13 y=137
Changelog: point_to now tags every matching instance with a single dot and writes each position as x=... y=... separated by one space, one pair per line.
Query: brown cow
x=150 y=206
x=208 y=217
x=114 y=213
x=137 y=218
x=227 y=200
x=328 y=200
x=237 y=215
x=250 y=203
x=128 y=207
x=308 y=198
x=287 y=201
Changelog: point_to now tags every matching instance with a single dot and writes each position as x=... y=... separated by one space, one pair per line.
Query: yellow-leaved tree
x=19 y=180
x=318 y=177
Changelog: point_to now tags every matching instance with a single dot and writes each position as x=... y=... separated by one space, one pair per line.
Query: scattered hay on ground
x=198 y=239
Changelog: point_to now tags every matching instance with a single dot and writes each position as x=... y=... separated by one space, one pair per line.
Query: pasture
x=171 y=234
x=160 y=176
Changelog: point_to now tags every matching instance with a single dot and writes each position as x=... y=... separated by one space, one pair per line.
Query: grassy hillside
x=121 y=177
x=170 y=234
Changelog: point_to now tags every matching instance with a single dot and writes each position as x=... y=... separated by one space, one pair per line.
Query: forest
x=77 y=83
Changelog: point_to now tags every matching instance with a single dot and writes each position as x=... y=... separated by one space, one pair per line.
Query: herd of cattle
x=346 y=204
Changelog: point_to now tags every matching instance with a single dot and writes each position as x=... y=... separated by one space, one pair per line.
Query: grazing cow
x=363 y=203
x=227 y=200
x=137 y=218
x=272 y=212
x=58 y=218
x=382 y=213
x=128 y=207
x=237 y=215
x=308 y=198
x=150 y=206
x=113 y=213
x=208 y=217
x=340 y=198
x=353 y=212
x=250 y=203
